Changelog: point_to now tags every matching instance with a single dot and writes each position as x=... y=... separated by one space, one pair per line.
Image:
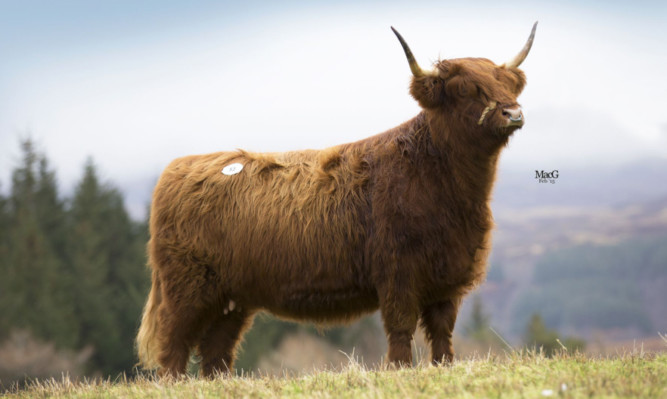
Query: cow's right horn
x=414 y=67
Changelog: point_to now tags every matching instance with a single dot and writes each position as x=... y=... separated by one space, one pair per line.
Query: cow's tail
x=148 y=342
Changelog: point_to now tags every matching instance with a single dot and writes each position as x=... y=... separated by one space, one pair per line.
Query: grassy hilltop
x=528 y=375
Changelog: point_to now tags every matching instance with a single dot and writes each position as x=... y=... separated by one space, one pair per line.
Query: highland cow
x=399 y=221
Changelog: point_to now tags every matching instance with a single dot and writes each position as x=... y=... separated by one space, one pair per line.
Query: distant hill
x=590 y=270
x=590 y=288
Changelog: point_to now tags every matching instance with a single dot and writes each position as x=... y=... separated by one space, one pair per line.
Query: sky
x=136 y=84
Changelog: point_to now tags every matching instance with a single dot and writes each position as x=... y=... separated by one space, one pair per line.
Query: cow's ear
x=428 y=90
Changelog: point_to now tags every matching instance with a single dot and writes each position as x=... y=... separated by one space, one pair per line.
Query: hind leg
x=177 y=336
x=188 y=291
x=218 y=345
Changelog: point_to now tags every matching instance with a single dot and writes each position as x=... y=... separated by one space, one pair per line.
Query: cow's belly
x=315 y=299
x=321 y=305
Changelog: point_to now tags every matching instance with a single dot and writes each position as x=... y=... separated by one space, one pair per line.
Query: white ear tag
x=232 y=169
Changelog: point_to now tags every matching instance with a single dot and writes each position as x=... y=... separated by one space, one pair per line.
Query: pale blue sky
x=135 y=84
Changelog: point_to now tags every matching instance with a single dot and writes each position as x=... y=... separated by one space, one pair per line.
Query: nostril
x=514 y=114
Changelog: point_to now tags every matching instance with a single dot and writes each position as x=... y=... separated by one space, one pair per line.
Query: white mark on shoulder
x=232 y=169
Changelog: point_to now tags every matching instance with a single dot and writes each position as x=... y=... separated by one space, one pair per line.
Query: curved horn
x=524 y=51
x=414 y=67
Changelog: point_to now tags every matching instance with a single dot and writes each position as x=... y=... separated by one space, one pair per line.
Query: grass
x=515 y=375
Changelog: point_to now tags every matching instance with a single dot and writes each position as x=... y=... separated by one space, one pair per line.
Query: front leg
x=438 y=322
x=399 y=315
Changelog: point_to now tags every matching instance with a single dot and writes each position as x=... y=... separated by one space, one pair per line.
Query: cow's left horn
x=414 y=67
x=524 y=51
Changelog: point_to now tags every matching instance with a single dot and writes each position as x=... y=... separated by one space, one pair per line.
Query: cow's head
x=472 y=92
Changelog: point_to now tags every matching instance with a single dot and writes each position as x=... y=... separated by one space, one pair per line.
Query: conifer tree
x=538 y=335
x=4 y=220
x=479 y=320
x=90 y=269
x=50 y=209
x=108 y=260
x=4 y=268
x=33 y=271
x=478 y=327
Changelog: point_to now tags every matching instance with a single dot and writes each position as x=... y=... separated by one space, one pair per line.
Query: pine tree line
x=71 y=270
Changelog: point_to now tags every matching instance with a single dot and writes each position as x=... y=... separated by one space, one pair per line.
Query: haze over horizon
x=136 y=85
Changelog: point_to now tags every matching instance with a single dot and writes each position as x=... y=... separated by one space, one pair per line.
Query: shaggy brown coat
x=399 y=221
